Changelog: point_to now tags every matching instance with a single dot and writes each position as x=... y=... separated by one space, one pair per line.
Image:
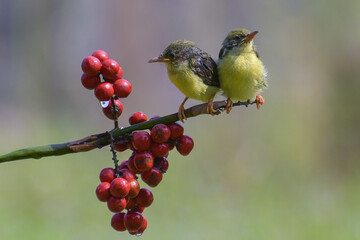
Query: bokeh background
x=288 y=171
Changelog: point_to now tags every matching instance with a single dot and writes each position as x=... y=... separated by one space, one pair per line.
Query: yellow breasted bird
x=242 y=75
x=192 y=71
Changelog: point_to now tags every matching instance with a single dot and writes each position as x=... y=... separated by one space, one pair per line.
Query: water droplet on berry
x=104 y=104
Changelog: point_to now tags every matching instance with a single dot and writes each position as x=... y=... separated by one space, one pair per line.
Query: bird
x=242 y=75
x=192 y=71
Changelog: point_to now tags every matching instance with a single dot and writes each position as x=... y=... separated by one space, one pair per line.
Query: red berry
x=124 y=165
x=133 y=221
x=117 y=76
x=109 y=110
x=117 y=221
x=142 y=228
x=154 y=117
x=185 y=145
x=119 y=187
x=121 y=145
x=116 y=204
x=141 y=141
x=160 y=133
x=91 y=65
x=103 y=191
x=143 y=161
x=152 y=177
x=122 y=88
x=137 y=117
x=131 y=203
x=90 y=82
x=163 y=165
x=104 y=91
x=101 y=55
x=171 y=144
x=159 y=149
x=109 y=68
x=107 y=175
x=127 y=174
x=176 y=130
x=134 y=188
x=144 y=198
x=131 y=165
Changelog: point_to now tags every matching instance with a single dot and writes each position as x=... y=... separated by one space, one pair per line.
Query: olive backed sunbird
x=242 y=75
x=192 y=71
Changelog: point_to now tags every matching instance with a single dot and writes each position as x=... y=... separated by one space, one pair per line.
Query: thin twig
x=99 y=140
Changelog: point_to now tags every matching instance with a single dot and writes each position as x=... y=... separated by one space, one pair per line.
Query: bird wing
x=205 y=67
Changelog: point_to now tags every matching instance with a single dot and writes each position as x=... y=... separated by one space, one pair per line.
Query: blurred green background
x=288 y=171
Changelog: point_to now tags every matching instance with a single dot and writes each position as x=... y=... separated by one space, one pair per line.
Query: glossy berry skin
x=127 y=174
x=143 y=161
x=90 y=82
x=109 y=69
x=159 y=149
x=176 y=130
x=117 y=221
x=160 y=133
x=131 y=165
x=152 y=177
x=107 y=175
x=109 y=110
x=185 y=145
x=131 y=203
x=133 y=221
x=103 y=191
x=134 y=188
x=124 y=165
x=163 y=165
x=119 y=187
x=101 y=55
x=142 y=228
x=137 y=117
x=141 y=141
x=121 y=145
x=91 y=65
x=145 y=197
x=122 y=88
x=116 y=204
x=118 y=76
x=104 y=91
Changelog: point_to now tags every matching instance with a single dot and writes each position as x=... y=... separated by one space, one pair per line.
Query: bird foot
x=181 y=114
x=259 y=101
x=228 y=106
x=210 y=108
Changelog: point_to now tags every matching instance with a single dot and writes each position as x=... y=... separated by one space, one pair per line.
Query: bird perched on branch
x=192 y=71
x=242 y=75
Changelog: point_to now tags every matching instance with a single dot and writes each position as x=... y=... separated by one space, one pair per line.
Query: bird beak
x=159 y=59
x=250 y=37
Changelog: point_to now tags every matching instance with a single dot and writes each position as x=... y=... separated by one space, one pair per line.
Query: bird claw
x=228 y=106
x=181 y=114
x=259 y=101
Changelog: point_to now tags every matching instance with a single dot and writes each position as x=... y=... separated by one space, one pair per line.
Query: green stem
x=100 y=140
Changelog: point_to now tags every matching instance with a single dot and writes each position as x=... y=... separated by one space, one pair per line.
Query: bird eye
x=171 y=55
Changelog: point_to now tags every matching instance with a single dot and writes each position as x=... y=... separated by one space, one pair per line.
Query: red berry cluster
x=121 y=190
x=98 y=64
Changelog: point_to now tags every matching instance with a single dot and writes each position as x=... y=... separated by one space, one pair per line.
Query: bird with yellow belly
x=242 y=75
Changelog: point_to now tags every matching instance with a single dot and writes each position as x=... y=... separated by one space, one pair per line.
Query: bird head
x=175 y=53
x=239 y=37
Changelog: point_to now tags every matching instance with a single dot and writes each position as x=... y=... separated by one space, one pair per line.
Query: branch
x=100 y=140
